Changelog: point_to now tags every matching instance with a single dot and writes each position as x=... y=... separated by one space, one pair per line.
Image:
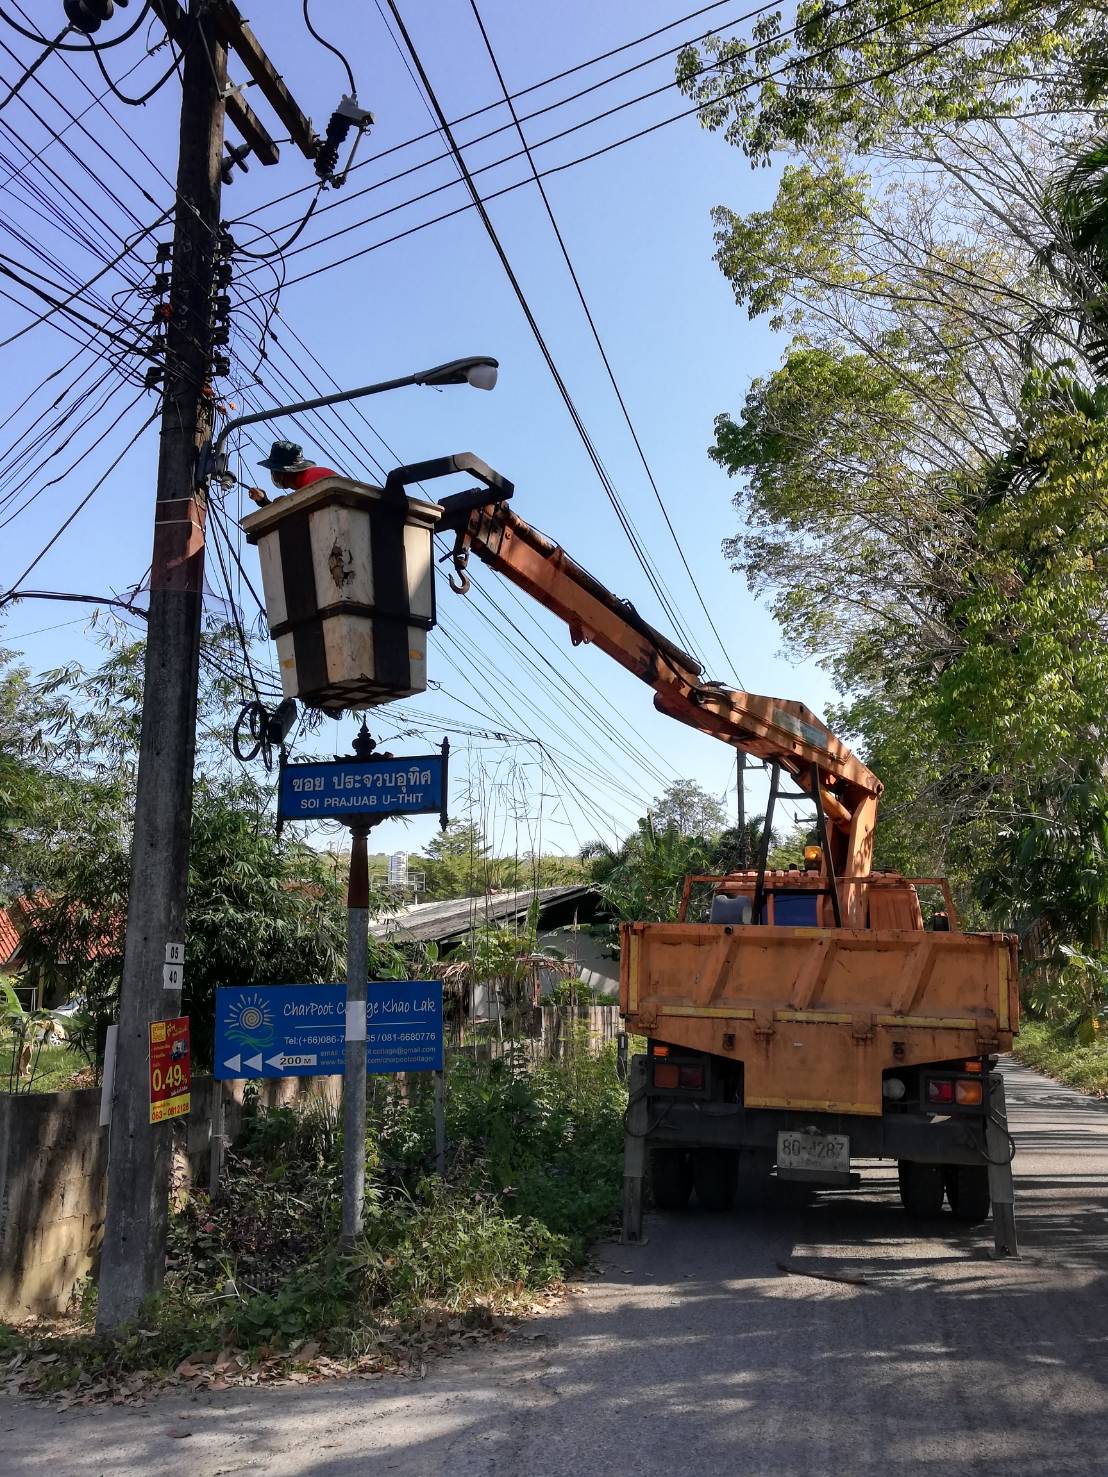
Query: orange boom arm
x=774 y=729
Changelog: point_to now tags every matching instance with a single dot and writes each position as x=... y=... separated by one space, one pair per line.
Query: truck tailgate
x=816 y=1015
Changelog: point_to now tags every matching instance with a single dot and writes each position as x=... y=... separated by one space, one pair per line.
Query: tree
x=456 y=862
x=687 y=808
x=643 y=879
x=920 y=480
x=261 y=909
x=737 y=851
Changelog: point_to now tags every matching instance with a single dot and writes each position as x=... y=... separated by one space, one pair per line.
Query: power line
x=524 y=92
x=619 y=143
x=30 y=71
x=332 y=49
x=59 y=45
x=579 y=425
x=596 y=337
x=13 y=589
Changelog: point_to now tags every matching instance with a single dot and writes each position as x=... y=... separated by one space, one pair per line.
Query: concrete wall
x=53 y=1169
x=596 y=967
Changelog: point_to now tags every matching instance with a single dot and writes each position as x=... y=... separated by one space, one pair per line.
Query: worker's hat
x=286 y=456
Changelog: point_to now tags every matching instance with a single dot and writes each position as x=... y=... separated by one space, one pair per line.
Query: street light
x=479 y=370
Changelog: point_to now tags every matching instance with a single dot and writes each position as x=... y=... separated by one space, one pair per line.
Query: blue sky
x=636 y=222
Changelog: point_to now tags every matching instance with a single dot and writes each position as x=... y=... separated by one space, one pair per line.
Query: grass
x=1055 y=1050
x=55 y=1069
x=255 y=1282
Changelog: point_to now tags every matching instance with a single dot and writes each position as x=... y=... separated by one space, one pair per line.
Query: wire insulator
x=326 y=161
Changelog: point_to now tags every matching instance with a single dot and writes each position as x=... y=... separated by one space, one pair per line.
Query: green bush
x=1058 y=1051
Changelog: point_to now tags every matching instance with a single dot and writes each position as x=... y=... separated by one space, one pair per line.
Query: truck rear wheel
x=671 y=1178
x=967 y=1189
x=921 y=1189
x=716 y=1177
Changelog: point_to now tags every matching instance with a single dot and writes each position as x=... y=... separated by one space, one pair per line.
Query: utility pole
x=140 y=1156
x=140 y=1153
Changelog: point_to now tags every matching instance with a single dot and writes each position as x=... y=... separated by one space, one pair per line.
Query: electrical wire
x=128 y=249
x=539 y=113
x=332 y=49
x=597 y=339
x=30 y=71
x=609 y=488
x=144 y=98
x=618 y=143
x=526 y=91
x=13 y=590
x=283 y=248
x=90 y=45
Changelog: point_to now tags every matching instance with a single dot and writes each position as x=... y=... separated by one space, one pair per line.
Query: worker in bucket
x=290 y=470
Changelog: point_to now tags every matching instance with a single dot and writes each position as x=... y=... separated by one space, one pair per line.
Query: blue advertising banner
x=300 y=1030
x=343 y=789
x=280 y=1031
x=403 y=1026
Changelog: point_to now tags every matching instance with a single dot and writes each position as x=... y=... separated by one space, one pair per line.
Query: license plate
x=807 y=1150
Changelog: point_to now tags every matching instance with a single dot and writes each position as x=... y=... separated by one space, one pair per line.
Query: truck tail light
x=667 y=1074
x=693 y=1077
x=969 y=1094
x=940 y=1090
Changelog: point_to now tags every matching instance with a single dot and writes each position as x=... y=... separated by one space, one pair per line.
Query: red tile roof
x=9 y=937
x=99 y=942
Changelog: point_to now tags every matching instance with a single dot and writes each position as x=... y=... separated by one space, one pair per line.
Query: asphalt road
x=695 y=1355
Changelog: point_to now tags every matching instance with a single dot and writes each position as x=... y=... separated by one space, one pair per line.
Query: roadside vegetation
x=256 y=1287
x=1079 y=1060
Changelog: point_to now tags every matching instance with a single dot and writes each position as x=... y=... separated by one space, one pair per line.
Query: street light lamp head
x=482 y=375
x=478 y=371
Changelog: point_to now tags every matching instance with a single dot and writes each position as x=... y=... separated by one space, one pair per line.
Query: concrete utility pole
x=133 y=1256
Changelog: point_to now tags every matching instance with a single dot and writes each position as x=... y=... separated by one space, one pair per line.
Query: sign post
x=362 y=791
x=299 y=1030
x=354 y=1080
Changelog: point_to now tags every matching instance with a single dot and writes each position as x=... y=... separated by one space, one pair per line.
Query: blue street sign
x=300 y=1030
x=345 y=789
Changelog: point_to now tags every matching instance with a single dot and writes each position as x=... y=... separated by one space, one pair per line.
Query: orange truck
x=808 y=1019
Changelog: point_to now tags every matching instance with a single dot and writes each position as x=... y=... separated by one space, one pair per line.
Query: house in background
x=11 y=957
x=566 y=914
x=84 y=944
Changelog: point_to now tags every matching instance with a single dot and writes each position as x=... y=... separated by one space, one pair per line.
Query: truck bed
x=817 y=1014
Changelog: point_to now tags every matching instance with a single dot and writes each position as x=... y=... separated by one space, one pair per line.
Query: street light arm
x=478 y=370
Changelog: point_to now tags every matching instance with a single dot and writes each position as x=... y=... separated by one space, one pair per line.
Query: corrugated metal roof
x=433 y=921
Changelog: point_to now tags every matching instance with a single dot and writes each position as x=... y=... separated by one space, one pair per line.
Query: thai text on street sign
x=170 y=1069
x=347 y=789
x=300 y=1030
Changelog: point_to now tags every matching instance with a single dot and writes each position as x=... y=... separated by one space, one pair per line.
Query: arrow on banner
x=234 y=1062
x=254 y=1062
x=283 y=1060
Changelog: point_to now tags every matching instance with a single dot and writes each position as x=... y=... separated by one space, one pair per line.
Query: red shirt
x=308 y=476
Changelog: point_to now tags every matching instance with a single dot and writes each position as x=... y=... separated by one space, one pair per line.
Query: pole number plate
x=808 y=1149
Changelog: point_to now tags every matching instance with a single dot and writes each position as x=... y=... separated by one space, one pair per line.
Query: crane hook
x=461 y=585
